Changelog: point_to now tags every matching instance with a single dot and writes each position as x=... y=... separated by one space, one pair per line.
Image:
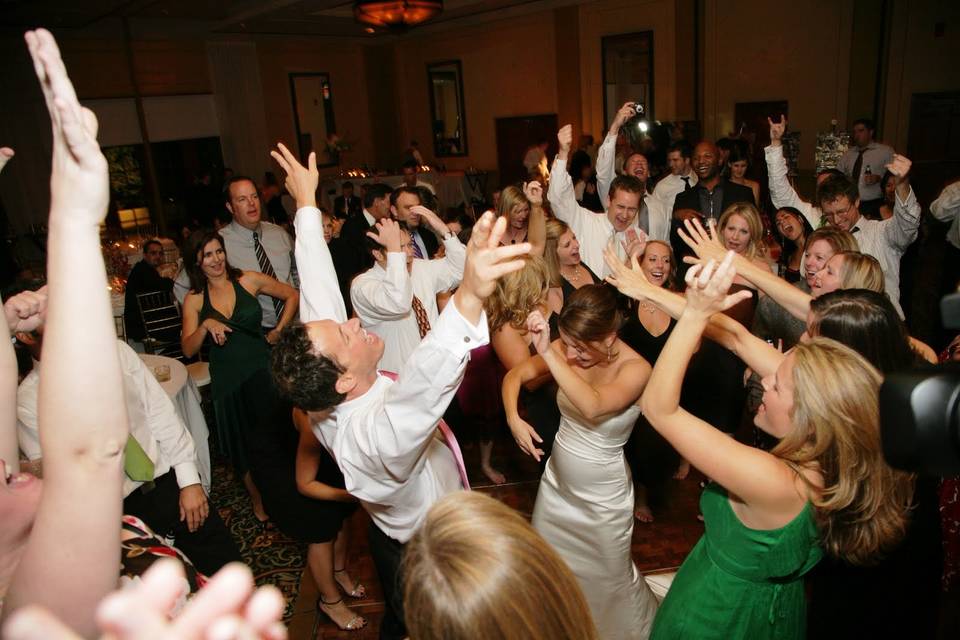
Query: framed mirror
x=627 y=73
x=313 y=117
x=448 y=118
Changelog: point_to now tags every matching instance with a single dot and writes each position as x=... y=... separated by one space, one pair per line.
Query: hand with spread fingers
x=707 y=286
x=704 y=242
x=301 y=182
x=635 y=244
x=629 y=280
x=387 y=234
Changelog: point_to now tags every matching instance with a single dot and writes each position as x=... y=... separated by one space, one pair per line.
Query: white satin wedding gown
x=584 y=510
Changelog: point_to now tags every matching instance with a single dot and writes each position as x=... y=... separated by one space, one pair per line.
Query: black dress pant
x=208 y=548
x=387 y=555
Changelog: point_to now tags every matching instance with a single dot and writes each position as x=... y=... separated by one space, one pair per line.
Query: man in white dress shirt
x=864 y=163
x=631 y=216
x=681 y=176
x=885 y=240
x=246 y=239
x=397 y=298
x=174 y=503
x=383 y=434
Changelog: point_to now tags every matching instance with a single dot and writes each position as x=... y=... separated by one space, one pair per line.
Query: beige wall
x=612 y=17
x=756 y=50
x=509 y=69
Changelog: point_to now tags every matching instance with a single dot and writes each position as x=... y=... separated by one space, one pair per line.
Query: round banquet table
x=185 y=396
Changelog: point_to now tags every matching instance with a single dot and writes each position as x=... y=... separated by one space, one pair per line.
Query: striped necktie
x=416 y=247
x=267 y=269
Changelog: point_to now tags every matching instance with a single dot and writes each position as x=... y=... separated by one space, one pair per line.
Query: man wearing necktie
x=630 y=209
x=397 y=297
x=384 y=434
x=402 y=200
x=864 y=154
x=681 y=177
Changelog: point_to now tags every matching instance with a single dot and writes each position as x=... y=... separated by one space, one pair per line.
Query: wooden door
x=514 y=137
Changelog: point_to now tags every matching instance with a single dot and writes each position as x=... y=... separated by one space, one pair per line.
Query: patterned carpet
x=273 y=557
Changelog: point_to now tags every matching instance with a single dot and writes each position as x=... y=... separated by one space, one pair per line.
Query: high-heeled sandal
x=359 y=591
x=356 y=622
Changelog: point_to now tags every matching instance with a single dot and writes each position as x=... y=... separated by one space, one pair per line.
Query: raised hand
x=534 y=192
x=301 y=181
x=525 y=435
x=707 y=286
x=217 y=330
x=227 y=607
x=387 y=234
x=565 y=138
x=26 y=310
x=630 y=281
x=431 y=218
x=79 y=179
x=777 y=130
x=703 y=242
x=626 y=112
x=539 y=331
x=635 y=244
x=6 y=155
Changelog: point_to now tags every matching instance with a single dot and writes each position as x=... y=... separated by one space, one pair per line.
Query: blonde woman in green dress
x=769 y=516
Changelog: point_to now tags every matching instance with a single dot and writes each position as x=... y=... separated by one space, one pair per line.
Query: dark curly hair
x=303 y=377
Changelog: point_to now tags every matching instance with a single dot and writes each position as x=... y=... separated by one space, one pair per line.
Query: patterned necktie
x=857 y=166
x=267 y=269
x=136 y=463
x=423 y=322
x=449 y=439
x=417 y=253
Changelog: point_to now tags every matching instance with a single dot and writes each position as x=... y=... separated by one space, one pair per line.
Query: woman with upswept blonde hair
x=744 y=235
x=477 y=569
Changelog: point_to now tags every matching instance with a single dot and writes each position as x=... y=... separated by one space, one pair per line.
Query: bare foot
x=351 y=588
x=342 y=615
x=682 y=471
x=643 y=513
x=493 y=475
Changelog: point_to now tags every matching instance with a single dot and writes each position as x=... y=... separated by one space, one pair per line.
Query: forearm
x=795 y=301
x=8 y=398
x=606 y=169
x=319 y=288
x=583 y=395
x=320 y=491
x=191 y=344
x=902 y=230
x=290 y=307
x=662 y=394
x=946 y=206
x=510 y=391
x=537 y=229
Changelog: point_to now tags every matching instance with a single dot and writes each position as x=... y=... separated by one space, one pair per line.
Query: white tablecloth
x=186 y=400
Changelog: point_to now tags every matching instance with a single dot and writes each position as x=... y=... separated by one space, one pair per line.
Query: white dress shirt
x=886 y=240
x=606 y=168
x=669 y=186
x=782 y=193
x=154 y=422
x=321 y=300
x=383 y=298
x=945 y=209
x=594 y=230
x=875 y=155
x=386 y=441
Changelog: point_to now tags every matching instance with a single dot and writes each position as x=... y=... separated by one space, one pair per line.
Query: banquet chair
x=162 y=323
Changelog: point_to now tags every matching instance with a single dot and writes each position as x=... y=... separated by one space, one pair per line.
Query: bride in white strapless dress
x=584 y=507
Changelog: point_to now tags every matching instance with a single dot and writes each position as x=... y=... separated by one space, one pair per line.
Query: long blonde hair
x=555 y=229
x=510 y=197
x=862 y=511
x=749 y=213
x=517 y=294
x=477 y=569
x=861 y=271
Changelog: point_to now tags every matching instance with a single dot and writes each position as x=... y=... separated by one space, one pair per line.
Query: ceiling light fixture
x=396 y=14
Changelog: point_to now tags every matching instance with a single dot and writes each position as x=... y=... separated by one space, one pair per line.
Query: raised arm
x=593 y=402
x=947 y=204
x=523 y=433
x=901 y=230
x=320 y=297
x=83 y=421
x=390 y=298
x=782 y=193
x=607 y=154
x=447 y=271
x=560 y=192
x=537 y=222
x=281 y=291
x=754 y=476
x=24 y=312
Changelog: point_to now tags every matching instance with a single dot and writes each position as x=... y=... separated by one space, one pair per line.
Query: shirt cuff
x=187 y=474
x=909 y=202
x=452 y=240
x=458 y=335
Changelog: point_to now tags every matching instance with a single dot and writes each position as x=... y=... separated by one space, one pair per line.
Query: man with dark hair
x=402 y=201
x=347 y=205
x=885 y=240
x=397 y=297
x=410 y=169
x=354 y=258
x=680 y=178
x=383 y=434
x=782 y=192
x=144 y=278
x=865 y=162
x=632 y=215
